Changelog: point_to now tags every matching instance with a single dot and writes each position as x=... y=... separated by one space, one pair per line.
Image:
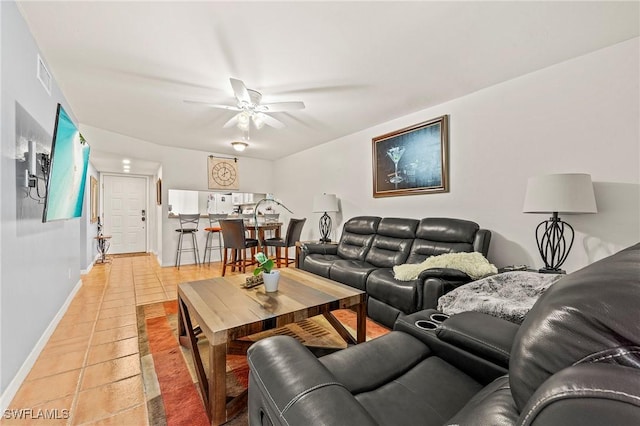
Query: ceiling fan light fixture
x=239 y=146
x=244 y=120
x=258 y=120
x=249 y=108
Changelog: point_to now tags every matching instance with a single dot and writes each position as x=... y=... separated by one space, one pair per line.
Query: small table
x=225 y=312
x=102 y=247
x=262 y=226
x=527 y=269
x=267 y=226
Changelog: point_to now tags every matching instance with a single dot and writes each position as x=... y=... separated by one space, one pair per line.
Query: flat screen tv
x=67 y=172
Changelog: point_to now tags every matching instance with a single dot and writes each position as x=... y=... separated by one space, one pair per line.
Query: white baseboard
x=14 y=385
x=93 y=262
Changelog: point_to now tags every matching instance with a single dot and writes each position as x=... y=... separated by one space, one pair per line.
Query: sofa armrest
x=445 y=273
x=288 y=385
x=481 y=241
x=439 y=281
x=312 y=248
x=586 y=394
x=484 y=335
x=425 y=326
x=320 y=248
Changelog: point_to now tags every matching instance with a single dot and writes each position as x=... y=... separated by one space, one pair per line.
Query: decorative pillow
x=473 y=264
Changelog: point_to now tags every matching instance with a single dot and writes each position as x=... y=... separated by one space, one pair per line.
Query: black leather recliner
x=575 y=360
x=371 y=246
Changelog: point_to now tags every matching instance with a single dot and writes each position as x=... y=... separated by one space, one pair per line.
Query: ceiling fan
x=250 y=109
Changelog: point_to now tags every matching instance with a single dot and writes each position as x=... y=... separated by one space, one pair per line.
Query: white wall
x=578 y=116
x=2 y=183
x=181 y=169
x=40 y=262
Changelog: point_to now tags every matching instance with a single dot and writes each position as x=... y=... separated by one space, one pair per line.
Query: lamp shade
x=325 y=203
x=561 y=193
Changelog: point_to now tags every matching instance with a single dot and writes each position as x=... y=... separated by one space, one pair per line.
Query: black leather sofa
x=575 y=360
x=370 y=246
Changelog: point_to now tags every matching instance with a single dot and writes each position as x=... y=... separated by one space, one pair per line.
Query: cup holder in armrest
x=438 y=318
x=426 y=325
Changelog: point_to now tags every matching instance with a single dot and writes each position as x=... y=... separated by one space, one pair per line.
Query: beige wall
x=581 y=115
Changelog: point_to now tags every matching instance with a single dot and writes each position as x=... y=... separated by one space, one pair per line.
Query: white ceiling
x=108 y=162
x=127 y=66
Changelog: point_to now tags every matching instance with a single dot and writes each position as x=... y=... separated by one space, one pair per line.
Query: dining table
x=262 y=228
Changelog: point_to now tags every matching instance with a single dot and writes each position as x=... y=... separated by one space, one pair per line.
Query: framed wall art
x=223 y=173
x=94 y=199
x=413 y=160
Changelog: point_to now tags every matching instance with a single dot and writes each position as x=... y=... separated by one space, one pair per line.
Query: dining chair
x=294 y=229
x=235 y=239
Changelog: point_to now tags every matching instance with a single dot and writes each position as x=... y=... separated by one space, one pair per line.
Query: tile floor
x=89 y=371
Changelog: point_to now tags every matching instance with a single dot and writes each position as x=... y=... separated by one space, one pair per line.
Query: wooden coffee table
x=225 y=312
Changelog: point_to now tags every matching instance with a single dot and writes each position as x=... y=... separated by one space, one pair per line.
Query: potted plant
x=265 y=265
x=270 y=277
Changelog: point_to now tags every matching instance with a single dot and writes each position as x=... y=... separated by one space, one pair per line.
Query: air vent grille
x=43 y=75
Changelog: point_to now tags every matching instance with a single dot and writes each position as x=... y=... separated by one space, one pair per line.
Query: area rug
x=171 y=386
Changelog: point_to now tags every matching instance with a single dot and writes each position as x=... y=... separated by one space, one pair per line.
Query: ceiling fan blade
x=282 y=106
x=270 y=121
x=240 y=90
x=209 y=104
x=232 y=122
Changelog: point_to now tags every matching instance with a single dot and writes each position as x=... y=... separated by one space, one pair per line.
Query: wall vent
x=43 y=75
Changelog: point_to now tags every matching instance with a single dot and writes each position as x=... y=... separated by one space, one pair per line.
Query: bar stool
x=294 y=229
x=208 y=246
x=188 y=225
x=233 y=234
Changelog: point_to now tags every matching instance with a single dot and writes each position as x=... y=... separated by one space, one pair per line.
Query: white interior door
x=125 y=208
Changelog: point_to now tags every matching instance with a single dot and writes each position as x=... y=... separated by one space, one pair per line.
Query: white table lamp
x=566 y=193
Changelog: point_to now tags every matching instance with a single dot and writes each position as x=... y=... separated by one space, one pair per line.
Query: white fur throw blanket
x=508 y=296
x=473 y=264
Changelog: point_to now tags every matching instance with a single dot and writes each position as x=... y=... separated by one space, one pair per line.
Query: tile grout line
x=74 y=403
x=78 y=389
x=115 y=280
x=164 y=288
x=104 y=291
x=128 y=264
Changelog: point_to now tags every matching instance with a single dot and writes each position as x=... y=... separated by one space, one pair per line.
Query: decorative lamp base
x=555 y=239
x=325 y=228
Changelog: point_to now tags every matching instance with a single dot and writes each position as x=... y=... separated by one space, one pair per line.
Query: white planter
x=271 y=281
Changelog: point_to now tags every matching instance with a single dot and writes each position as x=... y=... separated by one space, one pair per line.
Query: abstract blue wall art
x=68 y=170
